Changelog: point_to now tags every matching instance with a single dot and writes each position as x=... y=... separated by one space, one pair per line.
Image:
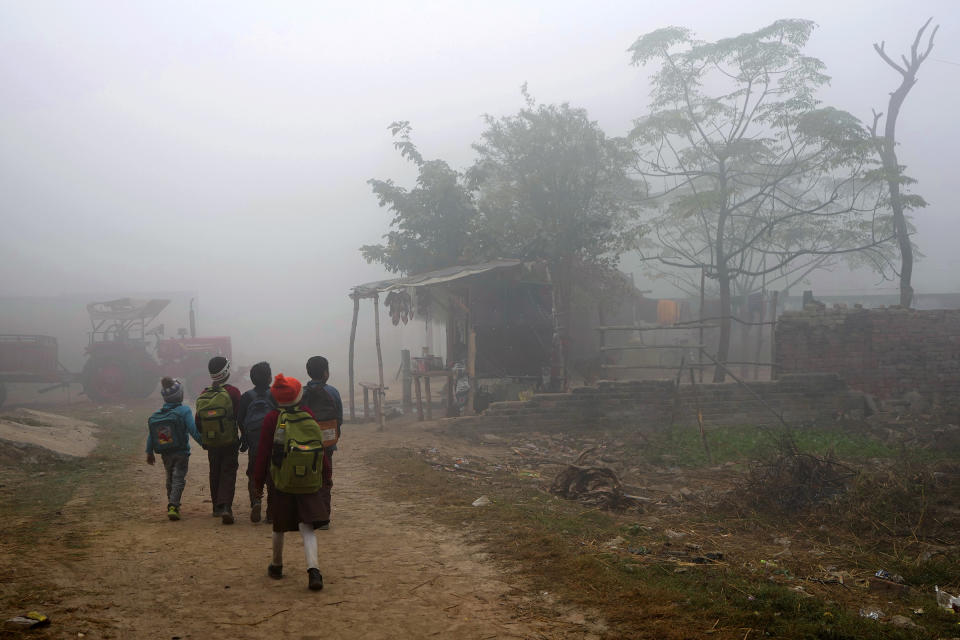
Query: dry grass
x=798 y=572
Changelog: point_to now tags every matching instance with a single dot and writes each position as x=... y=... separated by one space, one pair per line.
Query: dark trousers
x=251 y=459
x=224 y=462
x=175 y=464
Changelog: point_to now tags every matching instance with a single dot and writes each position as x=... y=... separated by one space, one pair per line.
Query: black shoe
x=255 y=511
x=315 y=580
x=226 y=516
x=275 y=571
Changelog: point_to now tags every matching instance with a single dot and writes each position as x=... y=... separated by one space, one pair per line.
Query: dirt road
x=387 y=573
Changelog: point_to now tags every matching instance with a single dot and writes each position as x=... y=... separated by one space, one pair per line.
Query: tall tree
x=433 y=224
x=746 y=173
x=552 y=186
x=900 y=201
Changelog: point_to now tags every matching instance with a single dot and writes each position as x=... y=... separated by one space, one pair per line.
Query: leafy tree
x=434 y=223
x=746 y=174
x=552 y=186
x=900 y=200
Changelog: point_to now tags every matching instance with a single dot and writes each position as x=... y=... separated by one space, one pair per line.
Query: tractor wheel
x=144 y=376
x=105 y=379
x=3 y=393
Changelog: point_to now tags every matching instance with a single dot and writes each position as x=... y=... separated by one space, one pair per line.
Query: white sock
x=278 y=548
x=309 y=545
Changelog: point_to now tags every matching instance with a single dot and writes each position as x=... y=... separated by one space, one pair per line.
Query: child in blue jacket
x=167 y=435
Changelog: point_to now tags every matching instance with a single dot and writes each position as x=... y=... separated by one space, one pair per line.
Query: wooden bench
x=377 y=398
x=426 y=375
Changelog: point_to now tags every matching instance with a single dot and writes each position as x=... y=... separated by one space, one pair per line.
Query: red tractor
x=121 y=352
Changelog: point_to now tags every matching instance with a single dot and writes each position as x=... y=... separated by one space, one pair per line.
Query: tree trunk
x=891 y=168
x=888 y=153
x=723 y=279
x=723 y=349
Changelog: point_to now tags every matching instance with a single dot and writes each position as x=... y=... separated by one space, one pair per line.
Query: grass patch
x=561 y=549
x=683 y=447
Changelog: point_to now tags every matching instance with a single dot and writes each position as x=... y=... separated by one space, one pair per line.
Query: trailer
x=127 y=354
x=31 y=359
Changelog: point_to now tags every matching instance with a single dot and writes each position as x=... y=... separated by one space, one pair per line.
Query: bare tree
x=893 y=172
x=746 y=174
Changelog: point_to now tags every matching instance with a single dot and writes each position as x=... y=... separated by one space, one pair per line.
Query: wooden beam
x=634 y=347
x=671 y=327
x=376 y=329
x=353 y=339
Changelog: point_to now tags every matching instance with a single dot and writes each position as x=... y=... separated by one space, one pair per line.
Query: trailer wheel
x=3 y=393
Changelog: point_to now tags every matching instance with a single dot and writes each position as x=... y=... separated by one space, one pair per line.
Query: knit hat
x=260 y=374
x=317 y=366
x=171 y=390
x=286 y=391
x=219 y=368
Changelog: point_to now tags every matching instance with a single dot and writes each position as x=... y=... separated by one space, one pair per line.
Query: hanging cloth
x=668 y=312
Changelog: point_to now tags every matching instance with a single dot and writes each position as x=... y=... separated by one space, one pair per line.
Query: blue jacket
x=187 y=416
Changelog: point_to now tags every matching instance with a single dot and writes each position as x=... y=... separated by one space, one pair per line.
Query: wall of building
x=884 y=352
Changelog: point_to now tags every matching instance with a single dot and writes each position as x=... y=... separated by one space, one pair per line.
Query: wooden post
x=703 y=434
x=760 y=327
x=366 y=402
x=407 y=380
x=471 y=369
x=376 y=329
x=451 y=400
x=471 y=357
x=416 y=384
x=353 y=339
x=426 y=388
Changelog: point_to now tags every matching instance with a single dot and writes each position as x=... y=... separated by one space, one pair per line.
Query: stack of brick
x=884 y=352
x=654 y=404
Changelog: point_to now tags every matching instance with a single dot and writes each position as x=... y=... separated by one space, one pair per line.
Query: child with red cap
x=291 y=451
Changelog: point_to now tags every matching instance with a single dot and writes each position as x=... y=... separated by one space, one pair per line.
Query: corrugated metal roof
x=430 y=278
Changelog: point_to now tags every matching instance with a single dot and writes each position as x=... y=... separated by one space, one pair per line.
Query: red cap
x=286 y=391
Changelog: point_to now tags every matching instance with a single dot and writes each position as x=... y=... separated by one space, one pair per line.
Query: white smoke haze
x=224 y=148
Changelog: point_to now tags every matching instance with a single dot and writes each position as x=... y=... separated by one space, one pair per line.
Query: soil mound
x=25 y=429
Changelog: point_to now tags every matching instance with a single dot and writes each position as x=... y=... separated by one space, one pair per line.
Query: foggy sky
x=224 y=147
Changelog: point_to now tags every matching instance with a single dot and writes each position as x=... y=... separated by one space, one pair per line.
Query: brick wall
x=883 y=352
x=653 y=404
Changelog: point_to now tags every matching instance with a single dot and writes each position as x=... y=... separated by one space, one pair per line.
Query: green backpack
x=218 y=427
x=297 y=456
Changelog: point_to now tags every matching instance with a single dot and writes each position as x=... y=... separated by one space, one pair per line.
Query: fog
x=224 y=148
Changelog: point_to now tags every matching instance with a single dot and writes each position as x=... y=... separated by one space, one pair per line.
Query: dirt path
x=387 y=574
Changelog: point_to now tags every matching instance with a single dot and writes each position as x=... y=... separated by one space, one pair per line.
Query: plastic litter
x=873 y=614
x=482 y=501
x=31 y=620
x=947 y=601
x=892 y=577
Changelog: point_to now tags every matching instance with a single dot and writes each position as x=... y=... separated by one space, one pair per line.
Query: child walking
x=324 y=402
x=291 y=451
x=255 y=404
x=217 y=423
x=168 y=429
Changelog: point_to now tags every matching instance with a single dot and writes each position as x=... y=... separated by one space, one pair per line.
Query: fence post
x=407 y=380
